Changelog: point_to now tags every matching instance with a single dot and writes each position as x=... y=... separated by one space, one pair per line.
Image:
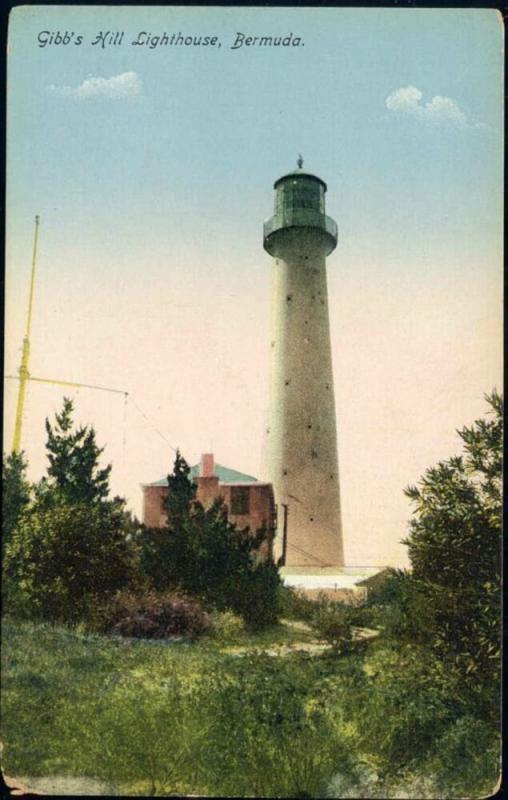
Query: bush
x=410 y=700
x=256 y=597
x=468 y=754
x=403 y=608
x=366 y=616
x=226 y=625
x=295 y=605
x=155 y=616
x=62 y=563
x=274 y=733
x=454 y=545
x=333 y=623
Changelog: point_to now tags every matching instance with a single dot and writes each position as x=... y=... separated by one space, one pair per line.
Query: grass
x=99 y=705
x=56 y=679
x=283 y=633
x=156 y=718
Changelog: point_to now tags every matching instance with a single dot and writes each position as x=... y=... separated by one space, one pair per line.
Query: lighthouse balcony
x=299 y=218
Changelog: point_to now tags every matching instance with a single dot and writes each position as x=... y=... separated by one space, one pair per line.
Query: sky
x=152 y=170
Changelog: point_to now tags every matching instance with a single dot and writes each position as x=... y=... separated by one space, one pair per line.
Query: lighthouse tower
x=301 y=443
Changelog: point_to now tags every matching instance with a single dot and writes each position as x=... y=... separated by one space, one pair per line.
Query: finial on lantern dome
x=300 y=161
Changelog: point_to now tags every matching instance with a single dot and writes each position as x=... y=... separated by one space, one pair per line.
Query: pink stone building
x=250 y=503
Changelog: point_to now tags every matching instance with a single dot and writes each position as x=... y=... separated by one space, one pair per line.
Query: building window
x=239 y=499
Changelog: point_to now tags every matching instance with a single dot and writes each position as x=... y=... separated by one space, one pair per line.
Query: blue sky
x=153 y=181
x=212 y=123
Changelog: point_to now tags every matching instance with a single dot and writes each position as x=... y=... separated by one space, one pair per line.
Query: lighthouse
x=301 y=437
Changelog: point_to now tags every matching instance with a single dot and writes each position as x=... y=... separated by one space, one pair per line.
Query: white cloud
x=408 y=100
x=128 y=84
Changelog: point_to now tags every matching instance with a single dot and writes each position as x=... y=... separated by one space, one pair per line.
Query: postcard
x=253 y=420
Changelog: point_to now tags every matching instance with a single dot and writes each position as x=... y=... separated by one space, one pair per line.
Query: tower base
x=344 y=584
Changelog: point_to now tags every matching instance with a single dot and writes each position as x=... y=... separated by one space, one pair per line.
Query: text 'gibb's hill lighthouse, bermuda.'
x=301 y=437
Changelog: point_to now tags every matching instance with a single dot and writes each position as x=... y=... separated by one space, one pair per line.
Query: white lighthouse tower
x=301 y=444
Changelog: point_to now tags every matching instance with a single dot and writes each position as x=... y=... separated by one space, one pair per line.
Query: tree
x=181 y=491
x=202 y=553
x=73 y=472
x=74 y=547
x=16 y=493
x=454 y=546
x=63 y=562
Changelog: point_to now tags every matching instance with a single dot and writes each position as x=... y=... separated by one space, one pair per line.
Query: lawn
x=146 y=716
x=195 y=718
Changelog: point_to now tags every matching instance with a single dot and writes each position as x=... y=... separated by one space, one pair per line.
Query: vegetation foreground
x=192 y=718
x=160 y=662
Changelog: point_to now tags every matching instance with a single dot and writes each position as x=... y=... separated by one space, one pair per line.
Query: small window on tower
x=239 y=499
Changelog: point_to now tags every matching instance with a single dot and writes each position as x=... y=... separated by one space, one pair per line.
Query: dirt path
x=297 y=624
x=314 y=647
x=55 y=785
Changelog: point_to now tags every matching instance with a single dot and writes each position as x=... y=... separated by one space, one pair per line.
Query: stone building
x=249 y=502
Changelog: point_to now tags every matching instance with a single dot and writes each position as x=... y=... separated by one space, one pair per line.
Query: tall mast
x=24 y=374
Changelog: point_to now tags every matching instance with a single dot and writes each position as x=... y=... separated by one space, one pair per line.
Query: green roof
x=224 y=474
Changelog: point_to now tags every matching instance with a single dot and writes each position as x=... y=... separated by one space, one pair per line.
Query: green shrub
x=409 y=701
x=155 y=616
x=463 y=762
x=273 y=731
x=407 y=614
x=256 y=597
x=366 y=616
x=295 y=605
x=62 y=563
x=333 y=622
x=226 y=625
x=454 y=545
x=467 y=755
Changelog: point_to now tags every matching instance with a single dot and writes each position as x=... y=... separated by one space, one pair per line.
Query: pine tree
x=74 y=548
x=181 y=490
x=73 y=474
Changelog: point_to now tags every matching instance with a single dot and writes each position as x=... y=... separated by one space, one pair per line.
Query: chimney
x=207 y=469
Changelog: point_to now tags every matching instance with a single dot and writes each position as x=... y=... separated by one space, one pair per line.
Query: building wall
x=208 y=490
x=261 y=510
x=261 y=505
x=154 y=515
